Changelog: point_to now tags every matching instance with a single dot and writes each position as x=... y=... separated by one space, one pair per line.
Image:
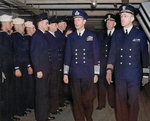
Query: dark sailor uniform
x=31 y=80
x=81 y=64
x=128 y=54
x=7 y=84
x=103 y=88
x=21 y=62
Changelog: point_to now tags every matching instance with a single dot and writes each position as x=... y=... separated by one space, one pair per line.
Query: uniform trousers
x=127 y=100
x=42 y=102
x=104 y=89
x=21 y=92
x=1 y=101
x=62 y=88
x=31 y=91
x=83 y=97
x=8 y=94
x=54 y=90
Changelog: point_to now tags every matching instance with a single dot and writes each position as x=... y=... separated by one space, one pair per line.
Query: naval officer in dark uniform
x=61 y=24
x=128 y=54
x=55 y=65
x=39 y=51
x=103 y=88
x=82 y=65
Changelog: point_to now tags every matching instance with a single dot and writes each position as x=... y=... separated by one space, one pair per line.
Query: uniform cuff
x=96 y=69
x=16 y=68
x=66 y=69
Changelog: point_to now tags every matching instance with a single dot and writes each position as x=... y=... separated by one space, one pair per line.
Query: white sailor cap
x=29 y=24
x=5 y=18
x=18 y=21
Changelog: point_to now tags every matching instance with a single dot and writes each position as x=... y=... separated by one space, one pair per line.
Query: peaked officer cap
x=126 y=8
x=5 y=18
x=109 y=16
x=61 y=19
x=79 y=14
x=29 y=24
x=18 y=21
x=52 y=19
x=40 y=17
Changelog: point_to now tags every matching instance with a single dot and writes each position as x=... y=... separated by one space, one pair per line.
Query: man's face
x=79 y=23
x=126 y=19
x=8 y=25
x=110 y=24
x=45 y=25
x=62 y=25
x=30 y=30
x=19 y=28
x=53 y=27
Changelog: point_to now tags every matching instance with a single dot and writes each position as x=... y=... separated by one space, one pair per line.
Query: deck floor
x=106 y=114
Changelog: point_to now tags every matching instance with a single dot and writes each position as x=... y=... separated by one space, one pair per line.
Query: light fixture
x=93 y=3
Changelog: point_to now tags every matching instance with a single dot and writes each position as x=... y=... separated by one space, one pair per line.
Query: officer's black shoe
x=22 y=114
x=51 y=118
x=27 y=111
x=60 y=110
x=56 y=112
x=65 y=105
x=15 y=119
x=99 y=108
x=67 y=102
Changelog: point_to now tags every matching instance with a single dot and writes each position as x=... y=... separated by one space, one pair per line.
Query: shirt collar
x=52 y=33
x=60 y=30
x=128 y=29
x=112 y=31
x=81 y=32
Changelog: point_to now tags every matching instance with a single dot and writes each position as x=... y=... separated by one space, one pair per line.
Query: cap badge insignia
x=123 y=7
x=76 y=13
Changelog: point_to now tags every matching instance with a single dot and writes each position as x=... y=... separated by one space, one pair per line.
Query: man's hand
x=95 y=79
x=109 y=77
x=66 y=79
x=39 y=74
x=18 y=73
x=30 y=71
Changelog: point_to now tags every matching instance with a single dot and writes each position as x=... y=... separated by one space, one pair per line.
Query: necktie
x=79 y=34
x=109 y=34
x=126 y=32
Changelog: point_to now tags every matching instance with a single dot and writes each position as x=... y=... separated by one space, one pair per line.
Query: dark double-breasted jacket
x=39 y=51
x=62 y=44
x=128 y=54
x=105 y=42
x=55 y=55
x=82 y=55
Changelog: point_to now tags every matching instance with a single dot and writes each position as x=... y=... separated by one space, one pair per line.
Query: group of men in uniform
x=113 y=59
x=116 y=57
x=25 y=62
x=17 y=83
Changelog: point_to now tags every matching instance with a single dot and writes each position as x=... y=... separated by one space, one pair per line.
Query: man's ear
x=114 y=23
x=84 y=21
x=132 y=18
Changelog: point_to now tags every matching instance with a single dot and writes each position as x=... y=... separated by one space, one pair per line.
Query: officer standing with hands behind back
x=82 y=64
x=128 y=55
